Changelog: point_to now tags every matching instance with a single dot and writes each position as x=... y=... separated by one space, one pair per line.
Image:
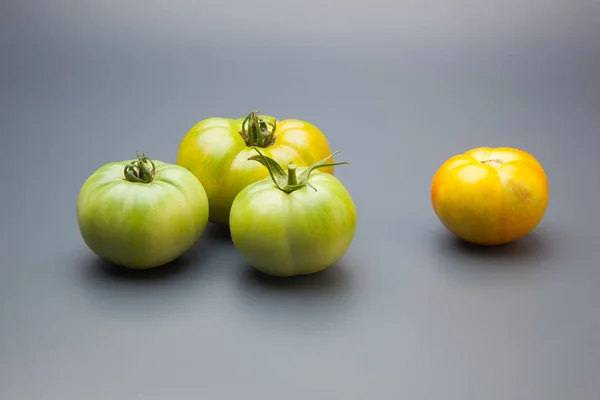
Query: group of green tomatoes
x=272 y=182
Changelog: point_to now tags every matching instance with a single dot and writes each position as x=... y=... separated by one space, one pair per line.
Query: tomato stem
x=292 y=180
x=289 y=182
x=256 y=132
x=141 y=171
x=493 y=162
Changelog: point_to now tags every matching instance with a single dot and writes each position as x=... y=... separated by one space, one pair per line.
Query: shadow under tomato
x=329 y=281
x=529 y=246
x=306 y=301
x=524 y=255
x=119 y=291
x=99 y=268
x=218 y=233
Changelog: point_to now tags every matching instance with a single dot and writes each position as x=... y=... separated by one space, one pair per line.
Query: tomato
x=216 y=150
x=490 y=196
x=297 y=222
x=141 y=213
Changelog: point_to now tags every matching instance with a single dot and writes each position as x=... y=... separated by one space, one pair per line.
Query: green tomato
x=295 y=223
x=141 y=213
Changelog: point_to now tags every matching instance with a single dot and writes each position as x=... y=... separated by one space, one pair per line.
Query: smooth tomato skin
x=299 y=233
x=141 y=225
x=486 y=202
x=217 y=155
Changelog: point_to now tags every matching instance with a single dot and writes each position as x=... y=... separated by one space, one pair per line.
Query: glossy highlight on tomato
x=490 y=196
x=216 y=151
x=295 y=222
x=141 y=214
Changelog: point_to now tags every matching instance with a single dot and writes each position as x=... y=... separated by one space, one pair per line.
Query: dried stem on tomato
x=143 y=170
x=258 y=132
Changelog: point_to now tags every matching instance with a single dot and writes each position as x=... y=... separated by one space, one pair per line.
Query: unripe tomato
x=293 y=223
x=141 y=213
x=216 y=150
x=490 y=196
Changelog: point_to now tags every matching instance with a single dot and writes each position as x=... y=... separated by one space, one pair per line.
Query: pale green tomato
x=140 y=213
x=293 y=223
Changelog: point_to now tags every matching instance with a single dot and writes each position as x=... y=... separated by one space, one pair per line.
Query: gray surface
x=397 y=87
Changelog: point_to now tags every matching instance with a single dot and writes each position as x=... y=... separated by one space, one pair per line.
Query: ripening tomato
x=216 y=150
x=141 y=213
x=293 y=223
x=490 y=196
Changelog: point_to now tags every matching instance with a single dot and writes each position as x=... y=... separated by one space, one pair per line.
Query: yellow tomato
x=490 y=196
x=216 y=151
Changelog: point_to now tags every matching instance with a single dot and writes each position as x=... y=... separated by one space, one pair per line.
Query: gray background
x=397 y=86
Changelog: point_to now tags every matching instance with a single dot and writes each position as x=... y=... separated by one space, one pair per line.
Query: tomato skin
x=141 y=225
x=490 y=196
x=217 y=154
x=298 y=233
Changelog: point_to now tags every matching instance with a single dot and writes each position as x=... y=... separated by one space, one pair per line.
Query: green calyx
x=142 y=171
x=258 y=132
x=289 y=181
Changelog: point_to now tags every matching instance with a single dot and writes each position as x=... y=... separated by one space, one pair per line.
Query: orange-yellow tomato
x=490 y=196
